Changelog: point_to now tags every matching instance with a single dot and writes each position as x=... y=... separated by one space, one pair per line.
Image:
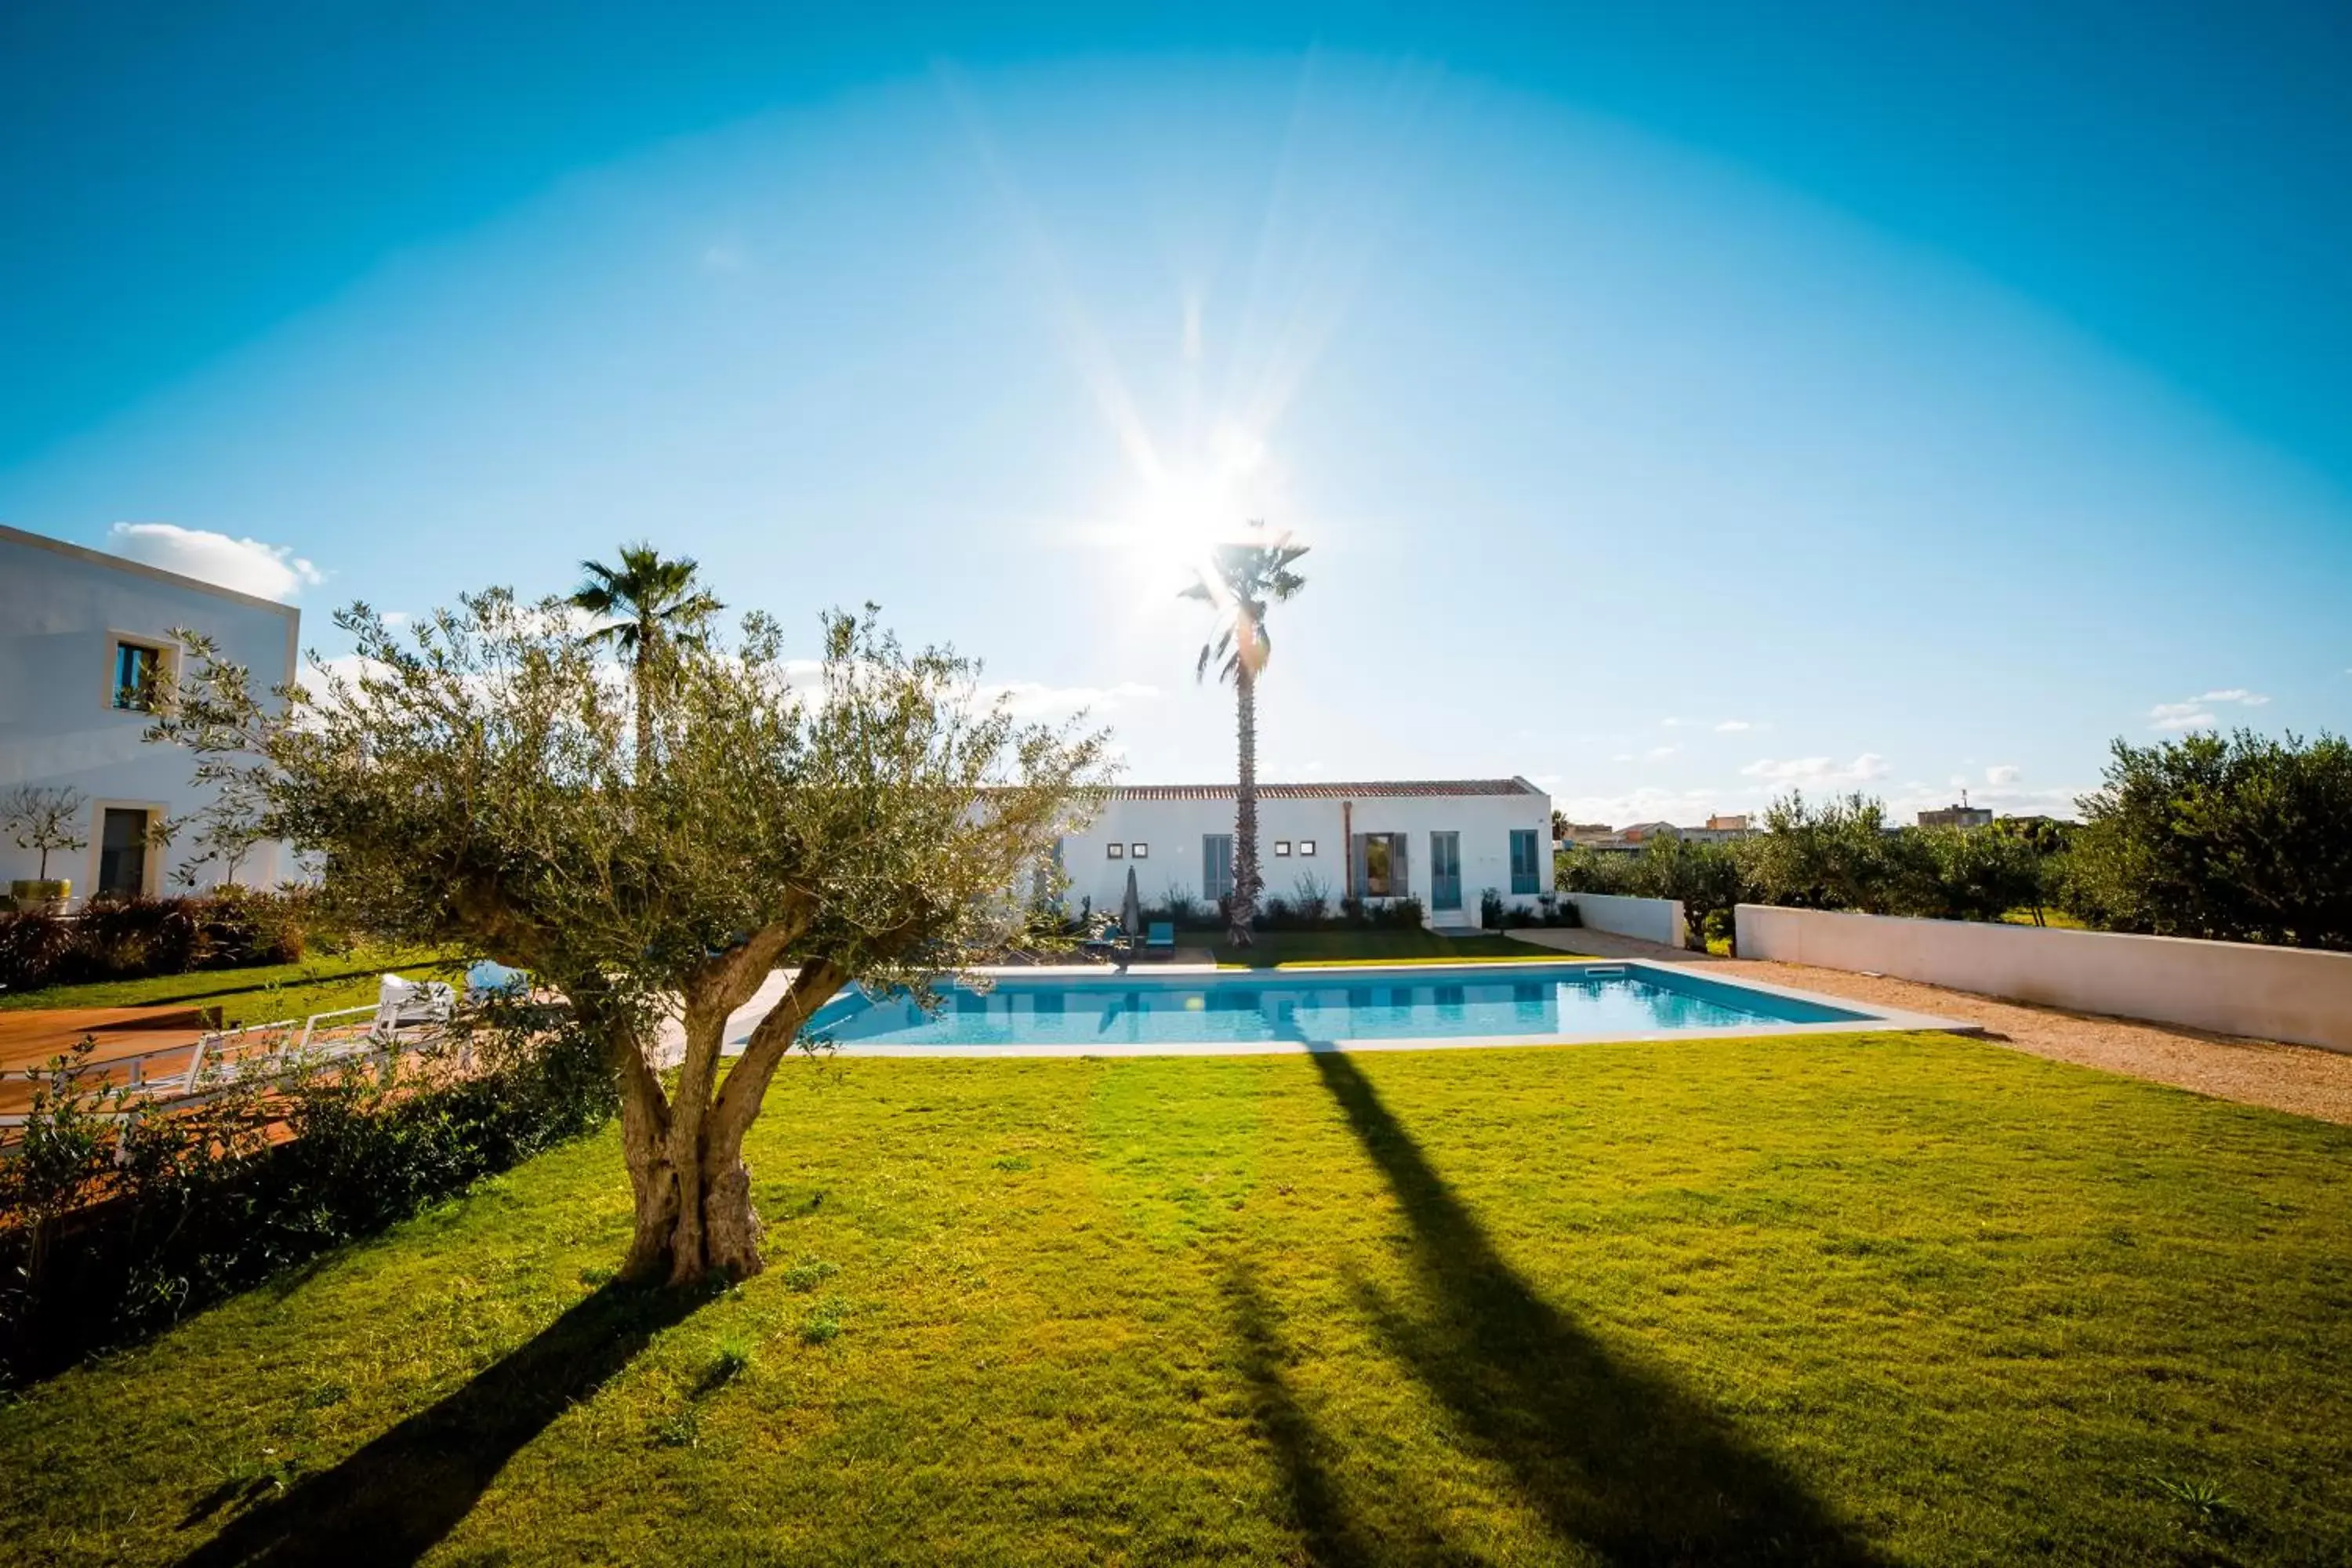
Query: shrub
x=1312 y=899
x=200 y=1202
x=130 y=938
x=1491 y=912
x=34 y=946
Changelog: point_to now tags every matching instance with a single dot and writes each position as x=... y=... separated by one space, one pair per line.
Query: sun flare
x=1185 y=513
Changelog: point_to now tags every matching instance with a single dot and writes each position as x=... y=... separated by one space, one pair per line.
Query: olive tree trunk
x=684 y=1149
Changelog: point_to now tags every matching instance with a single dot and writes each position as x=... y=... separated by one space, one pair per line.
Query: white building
x=1442 y=842
x=80 y=631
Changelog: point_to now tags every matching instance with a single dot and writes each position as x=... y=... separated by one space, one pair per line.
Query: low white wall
x=2229 y=987
x=1647 y=920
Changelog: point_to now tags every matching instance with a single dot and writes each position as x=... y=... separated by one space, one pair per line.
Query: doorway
x=1445 y=870
x=123 y=853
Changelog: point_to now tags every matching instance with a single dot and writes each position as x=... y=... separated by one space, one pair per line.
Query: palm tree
x=1242 y=579
x=654 y=604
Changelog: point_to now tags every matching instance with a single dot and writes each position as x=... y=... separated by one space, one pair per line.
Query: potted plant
x=43 y=818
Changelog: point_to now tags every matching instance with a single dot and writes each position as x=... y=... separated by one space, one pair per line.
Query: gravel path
x=2299 y=1079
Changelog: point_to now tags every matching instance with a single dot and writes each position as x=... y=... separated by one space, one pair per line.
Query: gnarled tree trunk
x=684 y=1149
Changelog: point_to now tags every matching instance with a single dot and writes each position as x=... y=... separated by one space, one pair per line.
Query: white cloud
x=1654 y=752
x=395 y=618
x=1022 y=698
x=1818 y=771
x=1621 y=757
x=2198 y=712
x=1644 y=805
x=1028 y=698
x=724 y=257
x=247 y=566
x=1739 y=727
x=1674 y=723
x=2001 y=775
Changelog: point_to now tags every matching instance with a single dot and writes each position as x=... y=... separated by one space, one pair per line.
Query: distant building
x=1629 y=839
x=85 y=638
x=1445 y=842
x=1956 y=816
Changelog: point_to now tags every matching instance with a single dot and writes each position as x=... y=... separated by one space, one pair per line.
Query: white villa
x=1445 y=842
x=80 y=632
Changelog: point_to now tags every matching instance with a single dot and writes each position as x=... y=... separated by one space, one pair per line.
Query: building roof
x=1381 y=789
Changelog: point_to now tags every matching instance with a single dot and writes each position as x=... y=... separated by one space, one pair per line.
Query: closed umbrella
x=1130 y=911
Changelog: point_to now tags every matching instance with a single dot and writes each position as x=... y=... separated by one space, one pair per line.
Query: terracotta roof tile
x=1380 y=789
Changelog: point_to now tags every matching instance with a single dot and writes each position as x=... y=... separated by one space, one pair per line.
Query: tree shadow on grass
x=1331 y=1540
x=1614 y=1458
x=395 y=1499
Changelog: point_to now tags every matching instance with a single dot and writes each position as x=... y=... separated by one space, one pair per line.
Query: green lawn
x=1366 y=947
x=1827 y=1299
x=261 y=994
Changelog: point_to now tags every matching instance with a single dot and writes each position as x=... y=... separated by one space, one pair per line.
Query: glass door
x=1445 y=870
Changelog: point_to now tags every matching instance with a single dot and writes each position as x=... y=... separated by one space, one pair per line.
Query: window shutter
x=1356 y=864
x=1401 y=878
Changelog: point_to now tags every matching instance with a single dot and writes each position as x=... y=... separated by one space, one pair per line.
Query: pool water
x=1533 y=1001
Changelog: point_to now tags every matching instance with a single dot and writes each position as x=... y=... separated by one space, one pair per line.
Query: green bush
x=111 y=1229
x=130 y=939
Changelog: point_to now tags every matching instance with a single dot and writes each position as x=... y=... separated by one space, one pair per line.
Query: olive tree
x=2243 y=838
x=477 y=783
x=44 y=819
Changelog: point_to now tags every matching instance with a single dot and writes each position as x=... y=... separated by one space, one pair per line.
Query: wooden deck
x=30 y=1038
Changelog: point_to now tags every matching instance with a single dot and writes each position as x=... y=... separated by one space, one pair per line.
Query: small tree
x=1833 y=857
x=2241 y=838
x=1708 y=879
x=44 y=818
x=480 y=784
x=1980 y=875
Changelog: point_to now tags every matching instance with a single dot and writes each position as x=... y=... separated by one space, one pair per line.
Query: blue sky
x=1679 y=406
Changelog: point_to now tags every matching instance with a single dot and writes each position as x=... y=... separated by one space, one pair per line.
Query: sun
x=1185 y=513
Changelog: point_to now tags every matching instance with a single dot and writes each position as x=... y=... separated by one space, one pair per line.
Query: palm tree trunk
x=1241 y=908
x=647 y=650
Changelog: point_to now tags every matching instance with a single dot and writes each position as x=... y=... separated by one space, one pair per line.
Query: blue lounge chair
x=1161 y=938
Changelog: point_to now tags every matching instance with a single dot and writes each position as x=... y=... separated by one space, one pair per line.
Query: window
x=1382 y=874
x=1282 y=848
x=1140 y=851
x=1113 y=851
x=1307 y=846
x=1217 y=867
x=137 y=668
x=1527 y=876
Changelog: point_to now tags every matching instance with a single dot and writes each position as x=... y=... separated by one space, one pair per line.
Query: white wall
x=2231 y=988
x=61 y=609
x=1174 y=829
x=1648 y=920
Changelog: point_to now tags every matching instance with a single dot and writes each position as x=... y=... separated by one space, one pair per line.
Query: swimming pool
x=1130 y=1012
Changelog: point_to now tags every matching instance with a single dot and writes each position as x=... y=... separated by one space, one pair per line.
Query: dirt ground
x=2299 y=1079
